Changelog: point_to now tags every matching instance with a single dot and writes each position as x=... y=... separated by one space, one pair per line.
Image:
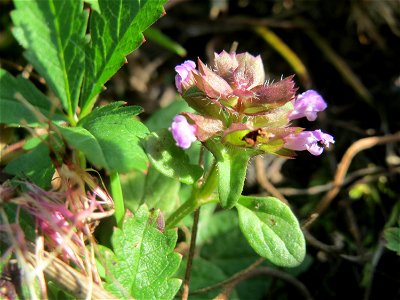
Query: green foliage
x=225 y=251
x=143 y=261
x=110 y=138
x=272 y=230
x=392 y=236
x=169 y=159
x=115 y=32
x=53 y=34
x=35 y=165
x=19 y=98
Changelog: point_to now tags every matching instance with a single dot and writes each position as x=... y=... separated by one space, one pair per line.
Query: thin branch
x=185 y=292
x=343 y=167
x=262 y=179
x=374 y=262
x=269 y=272
x=230 y=279
x=318 y=189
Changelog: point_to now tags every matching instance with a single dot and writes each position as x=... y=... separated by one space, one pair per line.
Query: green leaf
x=392 y=236
x=203 y=274
x=34 y=165
x=115 y=32
x=83 y=140
x=272 y=230
x=110 y=138
x=169 y=159
x=232 y=166
x=144 y=260
x=13 y=93
x=163 y=117
x=161 y=192
x=53 y=34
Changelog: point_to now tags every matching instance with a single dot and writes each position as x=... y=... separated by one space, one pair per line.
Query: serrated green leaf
x=83 y=140
x=13 y=111
x=34 y=165
x=170 y=160
x=115 y=32
x=144 y=260
x=110 y=138
x=272 y=230
x=53 y=33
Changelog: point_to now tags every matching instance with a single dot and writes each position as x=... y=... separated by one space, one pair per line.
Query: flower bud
x=184 y=77
x=182 y=132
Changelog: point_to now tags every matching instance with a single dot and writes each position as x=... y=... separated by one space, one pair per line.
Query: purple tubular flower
x=312 y=141
x=183 y=132
x=307 y=104
x=184 y=76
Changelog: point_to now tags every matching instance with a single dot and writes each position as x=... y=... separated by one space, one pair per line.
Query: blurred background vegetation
x=347 y=50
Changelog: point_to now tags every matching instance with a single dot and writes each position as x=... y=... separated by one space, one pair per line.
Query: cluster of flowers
x=237 y=106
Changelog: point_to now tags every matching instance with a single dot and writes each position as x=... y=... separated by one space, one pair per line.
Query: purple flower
x=312 y=141
x=183 y=132
x=307 y=104
x=184 y=76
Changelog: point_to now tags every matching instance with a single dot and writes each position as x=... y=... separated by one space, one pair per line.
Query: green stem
x=200 y=196
x=118 y=198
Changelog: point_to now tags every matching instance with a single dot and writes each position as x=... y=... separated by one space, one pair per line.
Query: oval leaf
x=272 y=230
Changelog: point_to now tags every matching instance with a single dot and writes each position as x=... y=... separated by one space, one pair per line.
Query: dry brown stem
x=343 y=167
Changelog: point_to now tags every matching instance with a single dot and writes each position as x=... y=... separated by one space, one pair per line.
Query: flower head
x=312 y=141
x=307 y=104
x=184 y=75
x=236 y=105
x=182 y=132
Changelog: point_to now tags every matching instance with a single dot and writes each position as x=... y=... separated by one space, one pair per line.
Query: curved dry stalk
x=322 y=188
x=343 y=167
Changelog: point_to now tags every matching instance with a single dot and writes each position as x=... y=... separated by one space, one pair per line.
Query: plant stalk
x=116 y=192
x=200 y=196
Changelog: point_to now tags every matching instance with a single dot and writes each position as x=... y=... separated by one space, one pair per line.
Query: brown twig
x=262 y=179
x=343 y=167
x=185 y=292
x=227 y=290
x=318 y=189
